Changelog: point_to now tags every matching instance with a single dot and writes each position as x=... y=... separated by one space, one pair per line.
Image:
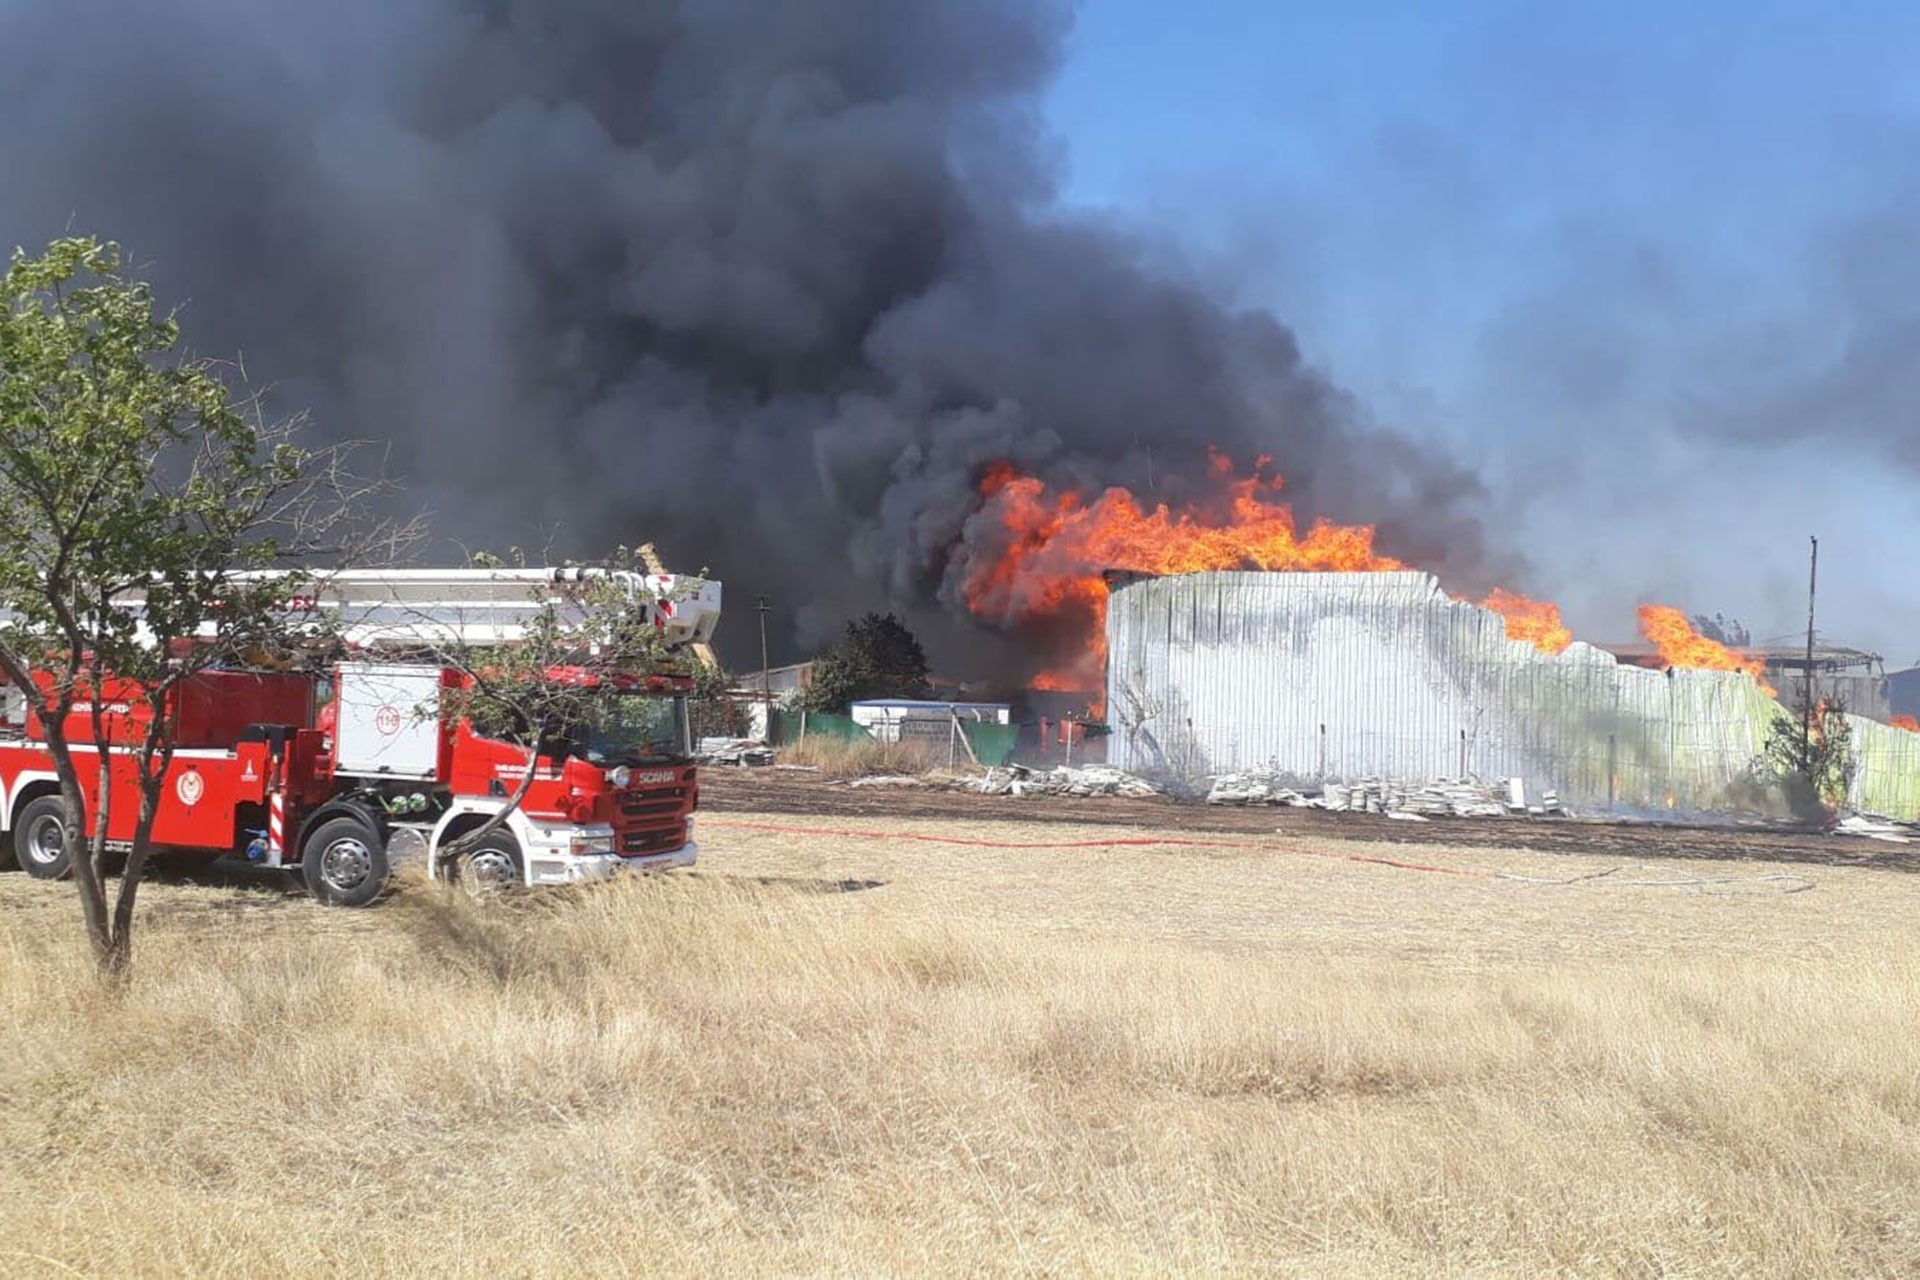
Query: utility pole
x=766 y=679
x=1806 y=714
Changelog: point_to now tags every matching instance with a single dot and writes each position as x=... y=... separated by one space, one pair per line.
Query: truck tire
x=39 y=839
x=344 y=862
x=490 y=866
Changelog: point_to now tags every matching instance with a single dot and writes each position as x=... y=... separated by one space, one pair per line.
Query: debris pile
x=734 y=751
x=1443 y=797
x=1254 y=788
x=1859 y=824
x=1092 y=780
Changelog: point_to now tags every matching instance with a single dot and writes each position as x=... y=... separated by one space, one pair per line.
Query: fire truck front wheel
x=39 y=839
x=490 y=866
x=344 y=862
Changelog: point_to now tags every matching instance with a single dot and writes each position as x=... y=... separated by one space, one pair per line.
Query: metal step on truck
x=347 y=773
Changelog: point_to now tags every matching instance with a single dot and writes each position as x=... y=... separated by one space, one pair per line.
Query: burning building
x=1344 y=675
x=1227 y=636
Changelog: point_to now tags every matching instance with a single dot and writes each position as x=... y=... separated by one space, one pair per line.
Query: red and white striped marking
x=276 y=828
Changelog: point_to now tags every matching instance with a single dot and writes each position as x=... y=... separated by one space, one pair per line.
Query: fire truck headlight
x=580 y=846
x=619 y=776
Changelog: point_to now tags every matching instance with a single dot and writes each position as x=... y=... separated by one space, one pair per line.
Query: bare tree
x=1137 y=708
x=147 y=522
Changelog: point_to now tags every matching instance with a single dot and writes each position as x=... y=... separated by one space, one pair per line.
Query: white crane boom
x=411 y=608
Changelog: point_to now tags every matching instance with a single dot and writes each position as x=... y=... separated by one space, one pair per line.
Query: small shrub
x=1812 y=762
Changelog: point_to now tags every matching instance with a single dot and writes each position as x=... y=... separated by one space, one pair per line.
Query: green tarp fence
x=992 y=743
x=788 y=726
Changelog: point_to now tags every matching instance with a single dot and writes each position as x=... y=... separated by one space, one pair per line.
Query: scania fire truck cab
x=379 y=776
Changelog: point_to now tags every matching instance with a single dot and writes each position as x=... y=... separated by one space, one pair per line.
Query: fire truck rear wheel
x=39 y=839
x=345 y=862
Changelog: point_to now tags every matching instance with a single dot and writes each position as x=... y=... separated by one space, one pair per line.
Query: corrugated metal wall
x=1351 y=675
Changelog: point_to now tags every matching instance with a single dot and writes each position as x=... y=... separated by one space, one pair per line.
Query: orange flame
x=1535 y=621
x=1053 y=546
x=1059 y=679
x=1680 y=645
x=1040 y=565
x=1908 y=723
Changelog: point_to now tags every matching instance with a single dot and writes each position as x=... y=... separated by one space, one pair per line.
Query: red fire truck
x=348 y=775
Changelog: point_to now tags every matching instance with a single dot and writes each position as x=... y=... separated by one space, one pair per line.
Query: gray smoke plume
x=1849 y=372
x=766 y=283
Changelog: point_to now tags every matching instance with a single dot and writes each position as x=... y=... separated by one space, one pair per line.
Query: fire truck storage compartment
x=208 y=708
x=385 y=725
x=215 y=707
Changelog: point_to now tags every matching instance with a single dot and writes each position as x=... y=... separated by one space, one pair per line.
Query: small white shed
x=903 y=719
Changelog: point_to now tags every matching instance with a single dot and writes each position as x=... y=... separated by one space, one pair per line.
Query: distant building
x=1855 y=678
x=757 y=702
x=897 y=719
x=782 y=683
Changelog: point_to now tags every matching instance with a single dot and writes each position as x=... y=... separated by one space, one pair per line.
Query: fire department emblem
x=387 y=720
x=190 y=787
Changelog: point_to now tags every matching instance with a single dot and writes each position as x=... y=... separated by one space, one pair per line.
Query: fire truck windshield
x=635 y=728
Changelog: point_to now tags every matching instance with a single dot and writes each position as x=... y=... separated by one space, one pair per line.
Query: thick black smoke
x=767 y=283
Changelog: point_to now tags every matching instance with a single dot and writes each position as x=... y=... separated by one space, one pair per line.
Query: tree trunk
x=52 y=712
x=116 y=961
x=90 y=872
x=93 y=898
x=102 y=809
x=154 y=759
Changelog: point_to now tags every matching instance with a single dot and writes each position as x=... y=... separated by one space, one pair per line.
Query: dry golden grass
x=838 y=758
x=715 y=1074
x=1282 y=898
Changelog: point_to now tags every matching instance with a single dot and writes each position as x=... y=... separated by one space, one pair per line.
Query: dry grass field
x=861 y=1054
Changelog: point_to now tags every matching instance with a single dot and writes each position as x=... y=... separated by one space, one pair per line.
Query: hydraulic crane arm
x=702 y=648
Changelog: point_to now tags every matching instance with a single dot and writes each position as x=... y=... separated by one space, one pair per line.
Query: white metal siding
x=384 y=723
x=1349 y=675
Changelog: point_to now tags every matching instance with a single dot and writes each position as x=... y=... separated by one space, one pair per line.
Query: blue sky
x=1623 y=258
